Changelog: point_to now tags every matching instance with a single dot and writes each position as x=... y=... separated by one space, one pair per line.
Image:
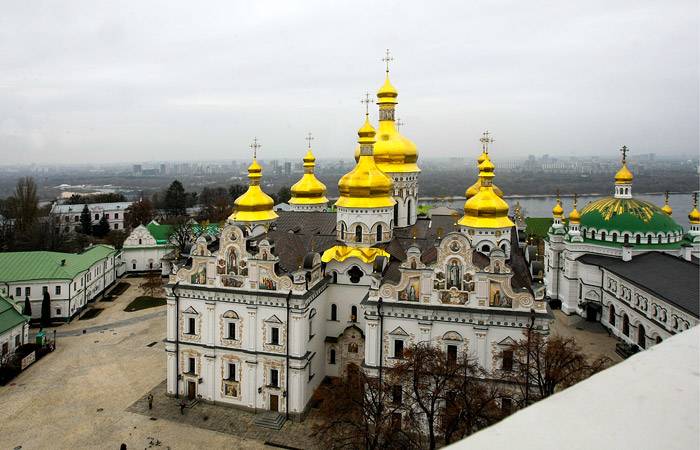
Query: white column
x=371 y=341
x=251 y=383
x=171 y=357
x=481 y=350
x=171 y=317
x=252 y=329
x=210 y=323
x=299 y=333
x=209 y=377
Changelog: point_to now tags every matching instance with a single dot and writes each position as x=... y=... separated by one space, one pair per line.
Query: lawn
x=144 y=302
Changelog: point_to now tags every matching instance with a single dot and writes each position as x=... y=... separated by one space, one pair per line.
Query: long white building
x=68 y=216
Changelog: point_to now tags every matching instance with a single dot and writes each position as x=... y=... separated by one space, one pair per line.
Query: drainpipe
x=380 y=302
x=286 y=348
x=177 y=340
x=558 y=274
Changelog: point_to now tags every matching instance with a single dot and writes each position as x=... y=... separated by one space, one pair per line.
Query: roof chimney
x=63 y=262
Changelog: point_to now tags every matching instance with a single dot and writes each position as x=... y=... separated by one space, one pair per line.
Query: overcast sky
x=144 y=80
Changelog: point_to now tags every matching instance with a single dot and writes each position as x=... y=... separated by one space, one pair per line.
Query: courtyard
x=91 y=392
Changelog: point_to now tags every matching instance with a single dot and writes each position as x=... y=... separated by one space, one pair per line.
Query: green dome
x=611 y=214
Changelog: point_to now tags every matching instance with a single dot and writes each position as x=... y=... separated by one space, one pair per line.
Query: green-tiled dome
x=627 y=214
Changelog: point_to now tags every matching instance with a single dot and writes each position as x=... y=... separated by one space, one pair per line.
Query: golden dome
x=474 y=188
x=694 y=215
x=486 y=209
x=558 y=211
x=623 y=176
x=366 y=186
x=393 y=152
x=308 y=190
x=254 y=205
x=574 y=215
x=667 y=208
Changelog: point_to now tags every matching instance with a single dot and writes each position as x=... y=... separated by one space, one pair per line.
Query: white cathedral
x=258 y=318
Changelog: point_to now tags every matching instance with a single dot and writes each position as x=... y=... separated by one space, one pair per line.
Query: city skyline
x=104 y=86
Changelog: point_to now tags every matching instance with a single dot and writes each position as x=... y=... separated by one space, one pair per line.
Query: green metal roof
x=42 y=265
x=632 y=215
x=9 y=316
x=161 y=233
x=538 y=226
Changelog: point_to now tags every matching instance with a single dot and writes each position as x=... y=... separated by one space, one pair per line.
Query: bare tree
x=357 y=413
x=550 y=363
x=24 y=204
x=152 y=285
x=184 y=233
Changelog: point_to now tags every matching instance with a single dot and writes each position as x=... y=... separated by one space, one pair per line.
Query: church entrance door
x=591 y=313
x=191 y=390
x=274 y=400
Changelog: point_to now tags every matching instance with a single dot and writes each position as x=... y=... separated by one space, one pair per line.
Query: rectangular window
x=58 y=311
x=116 y=216
x=232 y=330
x=5 y=348
x=398 y=348
x=116 y=226
x=232 y=371
x=190 y=325
x=506 y=405
x=17 y=340
x=451 y=355
x=107 y=216
x=311 y=328
x=275 y=336
x=192 y=366
x=18 y=292
x=44 y=289
x=57 y=290
x=97 y=217
x=274 y=378
x=507 y=360
x=396 y=394
x=27 y=291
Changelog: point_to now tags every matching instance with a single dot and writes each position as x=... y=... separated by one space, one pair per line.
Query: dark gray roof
x=668 y=277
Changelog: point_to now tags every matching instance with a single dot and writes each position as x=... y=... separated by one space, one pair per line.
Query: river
x=541 y=206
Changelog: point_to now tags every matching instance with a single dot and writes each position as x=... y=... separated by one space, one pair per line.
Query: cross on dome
x=309 y=137
x=367 y=100
x=387 y=59
x=255 y=146
x=485 y=140
x=624 y=151
x=399 y=123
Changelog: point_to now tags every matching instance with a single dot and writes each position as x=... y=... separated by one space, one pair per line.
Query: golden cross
x=485 y=140
x=309 y=138
x=366 y=101
x=399 y=123
x=558 y=195
x=575 y=199
x=387 y=59
x=666 y=196
x=255 y=146
x=695 y=199
x=624 y=151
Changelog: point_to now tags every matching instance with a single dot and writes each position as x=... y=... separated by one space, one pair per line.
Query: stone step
x=272 y=420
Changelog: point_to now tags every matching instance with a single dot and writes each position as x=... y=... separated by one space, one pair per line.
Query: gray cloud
x=109 y=81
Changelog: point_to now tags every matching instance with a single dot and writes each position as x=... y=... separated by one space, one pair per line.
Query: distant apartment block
x=68 y=216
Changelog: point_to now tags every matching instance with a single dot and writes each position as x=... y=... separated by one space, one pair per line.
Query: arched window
x=342 y=231
x=503 y=247
x=396 y=212
x=625 y=325
x=358 y=233
x=485 y=248
x=410 y=210
x=658 y=339
x=627 y=238
x=602 y=235
x=641 y=336
x=379 y=233
x=353 y=314
x=611 y=316
x=614 y=237
x=639 y=239
x=331 y=358
x=334 y=312
x=649 y=239
x=335 y=277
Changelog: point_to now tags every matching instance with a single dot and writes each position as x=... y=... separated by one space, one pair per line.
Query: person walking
x=182 y=407
x=150 y=401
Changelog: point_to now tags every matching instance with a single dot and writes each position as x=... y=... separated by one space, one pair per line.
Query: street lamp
x=527 y=370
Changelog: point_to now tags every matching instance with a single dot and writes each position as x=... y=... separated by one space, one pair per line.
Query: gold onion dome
x=558 y=211
x=366 y=186
x=574 y=215
x=308 y=190
x=393 y=152
x=486 y=209
x=474 y=188
x=624 y=175
x=667 y=208
x=694 y=215
x=254 y=205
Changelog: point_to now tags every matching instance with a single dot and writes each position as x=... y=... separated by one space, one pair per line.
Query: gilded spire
x=366 y=186
x=694 y=215
x=558 y=211
x=666 y=208
x=574 y=215
x=485 y=140
x=309 y=190
x=486 y=209
x=624 y=175
x=254 y=205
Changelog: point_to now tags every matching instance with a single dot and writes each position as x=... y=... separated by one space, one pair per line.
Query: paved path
x=109 y=326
